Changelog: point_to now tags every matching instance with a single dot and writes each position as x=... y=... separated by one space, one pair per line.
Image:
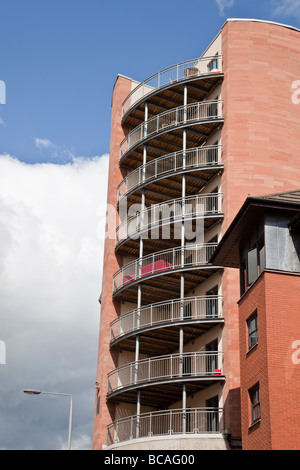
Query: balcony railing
x=163 y=261
x=199 y=157
x=201 y=205
x=191 y=113
x=175 y=73
x=166 y=368
x=164 y=313
x=173 y=422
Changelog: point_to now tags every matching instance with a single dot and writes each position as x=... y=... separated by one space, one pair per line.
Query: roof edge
x=262 y=21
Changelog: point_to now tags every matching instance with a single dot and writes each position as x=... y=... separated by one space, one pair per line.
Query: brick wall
x=260 y=143
x=276 y=299
x=109 y=308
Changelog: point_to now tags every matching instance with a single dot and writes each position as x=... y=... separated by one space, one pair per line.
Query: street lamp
x=38 y=392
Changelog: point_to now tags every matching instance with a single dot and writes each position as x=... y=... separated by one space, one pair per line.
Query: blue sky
x=59 y=61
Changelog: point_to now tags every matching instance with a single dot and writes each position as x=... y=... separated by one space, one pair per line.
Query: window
x=187 y=365
x=213 y=64
x=253 y=259
x=189 y=259
x=187 y=311
x=212 y=357
x=212 y=154
x=212 y=414
x=212 y=109
x=212 y=202
x=212 y=302
x=254 y=403
x=252 y=330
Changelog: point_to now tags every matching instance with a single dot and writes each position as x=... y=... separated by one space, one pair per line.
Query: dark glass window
x=255 y=403
x=212 y=302
x=252 y=330
x=213 y=64
x=252 y=259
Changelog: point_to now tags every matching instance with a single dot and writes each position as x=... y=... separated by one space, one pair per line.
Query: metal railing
x=173 y=366
x=175 y=73
x=191 y=113
x=207 y=307
x=206 y=156
x=172 y=422
x=201 y=205
x=163 y=261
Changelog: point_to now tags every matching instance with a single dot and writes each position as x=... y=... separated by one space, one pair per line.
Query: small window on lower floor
x=252 y=330
x=254 y=403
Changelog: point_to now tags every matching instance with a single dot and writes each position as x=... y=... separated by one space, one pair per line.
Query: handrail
x=191 y=113
x=163 y=261
x=171 y=422
x=204 y=205
x=208 y=307
x=172 y=366
x=173 y=74
x=205 y=156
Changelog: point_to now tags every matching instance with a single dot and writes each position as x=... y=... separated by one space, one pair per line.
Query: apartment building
x=263 y=243
x=188 y=145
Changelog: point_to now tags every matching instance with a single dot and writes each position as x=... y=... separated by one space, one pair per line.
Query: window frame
x=255 y=404
x=254 y=332
x=255 y=265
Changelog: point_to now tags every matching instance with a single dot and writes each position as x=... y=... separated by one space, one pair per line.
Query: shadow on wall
x=232 y=418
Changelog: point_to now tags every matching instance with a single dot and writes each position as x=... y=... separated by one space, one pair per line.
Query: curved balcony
x=189 y=69
x=207 y=206
x=196 y=314
x=159 y=372
x=163 y=262
x=200 y=158
x=191 y=114
x=172 y=422
x=200 y=308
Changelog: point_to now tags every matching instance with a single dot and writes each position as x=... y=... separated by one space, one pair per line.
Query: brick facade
x=272 y=362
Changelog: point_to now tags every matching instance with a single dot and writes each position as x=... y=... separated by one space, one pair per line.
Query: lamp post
x=38 y=392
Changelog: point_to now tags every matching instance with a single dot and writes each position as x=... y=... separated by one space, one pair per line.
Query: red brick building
x=188 y=145
x=263 y=242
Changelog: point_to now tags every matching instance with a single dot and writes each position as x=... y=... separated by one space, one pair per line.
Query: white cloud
x=2 y=123
x=42 y=143
x=57 y=153
x=223 y=4
x=287 y=8
x=50 y=281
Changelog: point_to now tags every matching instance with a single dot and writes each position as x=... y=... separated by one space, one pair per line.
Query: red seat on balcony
x=155 y=267
x=127 y=279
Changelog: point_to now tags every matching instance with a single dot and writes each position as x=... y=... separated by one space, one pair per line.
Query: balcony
x=172 y=422
x=163 y=262
x=187 y=70
x=191 y=309
x=200 y=158
x=161 y=378
x=158 y=324
x=208 y=206
x=205 y=113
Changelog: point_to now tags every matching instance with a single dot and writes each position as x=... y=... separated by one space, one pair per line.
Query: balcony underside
x=169 y=235
x=171 y=96
x=170 y=140
x=163 y=340
x=161 y=394
x=165 y=285
x=167 y=187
